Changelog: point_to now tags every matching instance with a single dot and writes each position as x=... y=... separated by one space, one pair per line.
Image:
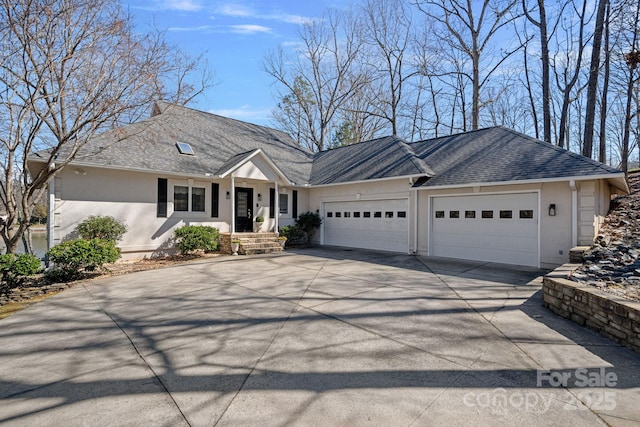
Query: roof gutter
x=364 y=181
x=618 y=180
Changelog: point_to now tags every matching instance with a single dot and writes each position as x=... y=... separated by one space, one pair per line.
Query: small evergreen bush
x=293 y=234
x=309 y=222
x=15 y=268
x=74 y=257
x=101 y=227
x=191 y=238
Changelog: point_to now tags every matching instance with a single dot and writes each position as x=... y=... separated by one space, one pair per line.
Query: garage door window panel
x=526 y=214
x=506 y=214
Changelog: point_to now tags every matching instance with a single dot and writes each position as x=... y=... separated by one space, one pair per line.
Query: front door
x=244 y=215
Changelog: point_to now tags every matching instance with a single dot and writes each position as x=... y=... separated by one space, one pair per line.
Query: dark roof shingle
x=489 y=155
x=376 y=159
x=499 y=155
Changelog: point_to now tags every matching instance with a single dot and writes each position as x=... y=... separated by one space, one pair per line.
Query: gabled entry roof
x=220 y=144
x=241 y=159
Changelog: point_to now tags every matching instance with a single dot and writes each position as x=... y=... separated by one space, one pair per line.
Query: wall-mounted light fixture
x=552 y=209
x=80 y=171
x=228 y=195
x=259 y=197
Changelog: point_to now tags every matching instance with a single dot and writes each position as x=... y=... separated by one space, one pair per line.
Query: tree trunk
x=602 y=147
x=592 y=89
x=475 y=97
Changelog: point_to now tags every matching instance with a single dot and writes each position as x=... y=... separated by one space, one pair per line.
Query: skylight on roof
x=185 y=148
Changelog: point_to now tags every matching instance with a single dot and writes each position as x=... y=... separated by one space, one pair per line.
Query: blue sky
x=234 y=36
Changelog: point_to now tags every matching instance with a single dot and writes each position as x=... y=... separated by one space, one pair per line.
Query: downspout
x=276 y=209
x=415 y=221
x=52 y=209
x=233 y=204
x=574 y=213
x=414 y=215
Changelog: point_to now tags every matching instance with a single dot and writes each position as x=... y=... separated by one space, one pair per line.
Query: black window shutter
x=215 y=195
x=272 y=203
x=294 y=210
x=162 y=198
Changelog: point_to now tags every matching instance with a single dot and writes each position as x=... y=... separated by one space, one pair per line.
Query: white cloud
x=249 y=29
x=243 y=11
x=289 y=19
x=245 y=113
x=203 y=28
x=235 y=10
x=183 y=5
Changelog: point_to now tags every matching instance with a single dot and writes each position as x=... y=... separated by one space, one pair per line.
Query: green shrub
x=293 y=233
x=15 y=268
x=309 y=222
x=74 y=257
x=192 y=238
x=101 y=227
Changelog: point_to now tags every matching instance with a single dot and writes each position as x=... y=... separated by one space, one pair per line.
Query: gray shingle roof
x=498 y=155
x=216 y=141
x=376 y=159
x=487 y=155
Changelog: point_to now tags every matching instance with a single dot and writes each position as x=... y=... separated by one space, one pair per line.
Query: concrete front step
x=251 y=243
x=257 y=251
x=260 y=245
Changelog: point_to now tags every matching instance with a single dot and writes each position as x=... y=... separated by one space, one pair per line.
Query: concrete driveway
x=311 y=337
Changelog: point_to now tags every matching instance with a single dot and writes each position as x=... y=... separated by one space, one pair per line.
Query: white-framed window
x=198 y=199
x=189 y=198
x=283 y=203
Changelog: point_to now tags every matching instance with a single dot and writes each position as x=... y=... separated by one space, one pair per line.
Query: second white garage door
x=371 y=224
x=496 y=228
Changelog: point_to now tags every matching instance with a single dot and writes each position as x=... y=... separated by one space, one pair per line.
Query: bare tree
x=567 y=66
x=388 y=31
x=630 y=30
x=594 y=72
x=469 y=28
x=602 y=146
x=69 y=69
x=326 y=67
x=541 y=23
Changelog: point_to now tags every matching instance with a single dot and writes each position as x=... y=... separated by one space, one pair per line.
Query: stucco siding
x=130 y=197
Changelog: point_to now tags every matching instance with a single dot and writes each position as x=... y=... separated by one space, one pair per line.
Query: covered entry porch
x=257 y=188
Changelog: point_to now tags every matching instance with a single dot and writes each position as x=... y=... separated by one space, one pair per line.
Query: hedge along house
x=491 y=195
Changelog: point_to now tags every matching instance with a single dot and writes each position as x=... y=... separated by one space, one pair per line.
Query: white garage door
x=496 y=228
x=375 y=224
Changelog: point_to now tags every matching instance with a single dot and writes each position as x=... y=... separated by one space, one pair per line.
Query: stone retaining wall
x=609 y=315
